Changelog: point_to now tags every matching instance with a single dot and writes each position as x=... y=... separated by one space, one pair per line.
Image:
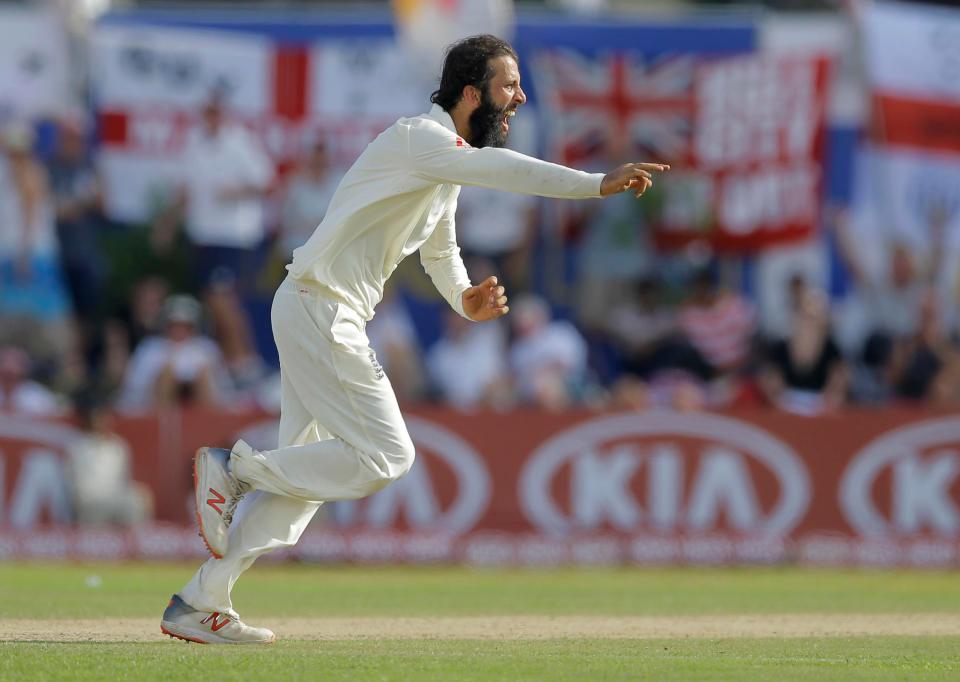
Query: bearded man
x=341 y=432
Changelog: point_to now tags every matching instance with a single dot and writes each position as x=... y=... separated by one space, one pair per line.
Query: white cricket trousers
x=341 y=437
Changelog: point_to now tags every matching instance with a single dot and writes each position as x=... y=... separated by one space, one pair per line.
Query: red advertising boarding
x=862 y=487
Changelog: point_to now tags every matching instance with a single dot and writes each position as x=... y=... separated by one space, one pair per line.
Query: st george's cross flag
x=150 y=81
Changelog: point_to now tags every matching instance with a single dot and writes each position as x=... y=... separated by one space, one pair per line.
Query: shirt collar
x=442 y=117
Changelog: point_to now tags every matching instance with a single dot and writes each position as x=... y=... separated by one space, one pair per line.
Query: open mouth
x=506 y=118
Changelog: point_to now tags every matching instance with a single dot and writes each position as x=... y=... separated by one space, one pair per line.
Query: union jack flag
x=643 y=106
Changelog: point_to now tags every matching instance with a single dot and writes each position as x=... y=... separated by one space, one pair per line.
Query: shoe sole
x=174 y=635
x=197 y=498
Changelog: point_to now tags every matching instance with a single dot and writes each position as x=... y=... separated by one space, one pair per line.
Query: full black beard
x=485 y=124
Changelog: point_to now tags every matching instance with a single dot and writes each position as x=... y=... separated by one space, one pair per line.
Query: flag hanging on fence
x=149 y=82
x=907 y=180
x=744 y=135
x=910 y=166
x=34 y=64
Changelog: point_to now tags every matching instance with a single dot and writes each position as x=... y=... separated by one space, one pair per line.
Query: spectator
x=871 y=381
x=499 y=227
x=772 y=273
x=616 y=251
x=890 y=300
x=307 y=197
x=662 y=368
x=641 y=326
x=143 y=315
x=139 y=317
x=180 y=367
x=99 y=472
x=226 y=178
x=926 y=365
x=18 y=393
x=548 y=358
x=34 y=309
x=79 y=221
x=805 y=374
x=467 y=366
x=394 y=340
x=719 y=324
x=893 y=269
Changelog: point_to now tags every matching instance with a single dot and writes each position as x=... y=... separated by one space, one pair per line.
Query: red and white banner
x=909 y=172
x=871 y=487
x=149 y=83
x=744 y=136
x=34 y=63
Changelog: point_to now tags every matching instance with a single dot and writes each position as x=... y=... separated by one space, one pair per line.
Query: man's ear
x=471 y=94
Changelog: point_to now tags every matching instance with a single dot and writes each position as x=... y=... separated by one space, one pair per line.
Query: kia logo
x=923 y=461
x=665 y=471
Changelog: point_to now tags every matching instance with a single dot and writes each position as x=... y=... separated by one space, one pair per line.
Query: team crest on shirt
x=377 y=367
x=461 y=143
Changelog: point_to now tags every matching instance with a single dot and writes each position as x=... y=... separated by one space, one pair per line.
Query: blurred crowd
x=174 y=312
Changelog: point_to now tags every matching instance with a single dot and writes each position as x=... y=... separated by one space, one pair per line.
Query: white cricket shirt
x=401 y=195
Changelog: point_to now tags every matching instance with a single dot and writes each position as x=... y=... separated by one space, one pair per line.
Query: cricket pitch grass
x=101 y=622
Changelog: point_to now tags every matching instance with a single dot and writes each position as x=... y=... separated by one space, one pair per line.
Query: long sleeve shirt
x=401 y=195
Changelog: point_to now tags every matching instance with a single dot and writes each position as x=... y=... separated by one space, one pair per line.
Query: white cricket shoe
x=182 y=621
x=217 y=493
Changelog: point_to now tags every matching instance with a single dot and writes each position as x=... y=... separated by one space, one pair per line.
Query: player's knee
x=390 y=463
x=405 y=456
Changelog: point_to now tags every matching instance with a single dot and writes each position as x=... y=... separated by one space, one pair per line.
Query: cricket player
x=341 y=432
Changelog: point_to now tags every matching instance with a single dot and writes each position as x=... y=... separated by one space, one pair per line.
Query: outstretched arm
x=437 y=154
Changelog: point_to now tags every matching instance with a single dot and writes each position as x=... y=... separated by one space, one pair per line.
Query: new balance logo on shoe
x=216 y=500
x=182 y=621
x=217 y=492
x=214 y=623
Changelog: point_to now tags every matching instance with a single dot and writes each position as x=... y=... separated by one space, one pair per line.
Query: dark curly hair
x=467 y=63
